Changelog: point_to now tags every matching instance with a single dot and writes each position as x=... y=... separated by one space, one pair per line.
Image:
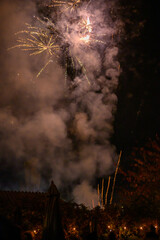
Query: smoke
x=84 y=193
x=49 y=131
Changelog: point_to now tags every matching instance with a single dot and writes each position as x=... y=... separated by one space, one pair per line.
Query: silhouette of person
x=151 y=235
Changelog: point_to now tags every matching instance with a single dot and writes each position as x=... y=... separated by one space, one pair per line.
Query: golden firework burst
x=85 y=26
x=68 y=5
x=37 y=40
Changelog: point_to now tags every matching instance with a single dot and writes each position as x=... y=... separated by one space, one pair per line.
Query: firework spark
x=52 y=39
x=85 y=26
x=86 y=32
x=74 y=63
x=37 y=41
x=68 y=5
x=83 y=69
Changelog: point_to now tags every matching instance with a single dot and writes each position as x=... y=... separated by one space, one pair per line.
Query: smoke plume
x=51 y=129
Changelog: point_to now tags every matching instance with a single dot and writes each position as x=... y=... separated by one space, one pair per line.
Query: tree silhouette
x=143 y=179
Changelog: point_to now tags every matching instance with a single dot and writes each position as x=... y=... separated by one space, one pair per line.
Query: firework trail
x=66 y=5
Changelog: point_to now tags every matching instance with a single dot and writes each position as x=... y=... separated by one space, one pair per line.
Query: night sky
x=137 y=115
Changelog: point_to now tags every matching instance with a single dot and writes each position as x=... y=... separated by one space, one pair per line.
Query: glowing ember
x=35 y=231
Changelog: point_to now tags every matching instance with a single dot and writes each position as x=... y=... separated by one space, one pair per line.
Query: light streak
x=68 y=5
x=43 y=68
x=99 y=204
x=114 y=181
x=37 y=41
x=86 y=38
x=102 y=192
x=106 y=197
x=85 y=26
x=86 y=32
x=83 y=70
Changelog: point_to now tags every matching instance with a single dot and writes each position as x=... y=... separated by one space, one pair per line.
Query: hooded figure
x=52 y=225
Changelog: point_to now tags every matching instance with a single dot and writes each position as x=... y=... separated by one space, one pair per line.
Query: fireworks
x=101 y=202
x=37 y=41
x=83 y=69
x=68 y=5
x=106 y=196
x=115 y=175
x=85 y=26
x=57 y=40
x=103 y=194
x=86 y=32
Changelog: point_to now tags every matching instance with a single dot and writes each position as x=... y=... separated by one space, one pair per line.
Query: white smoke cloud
x=57 y=133
x=84 y=193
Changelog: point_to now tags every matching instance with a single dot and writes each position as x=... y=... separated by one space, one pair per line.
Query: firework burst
x=58 y=40
x=86 y=32
x=68 y=5
x=38 y=40
x=85 y=26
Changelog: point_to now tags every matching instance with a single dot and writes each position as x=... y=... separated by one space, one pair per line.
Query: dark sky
x=137 y=116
